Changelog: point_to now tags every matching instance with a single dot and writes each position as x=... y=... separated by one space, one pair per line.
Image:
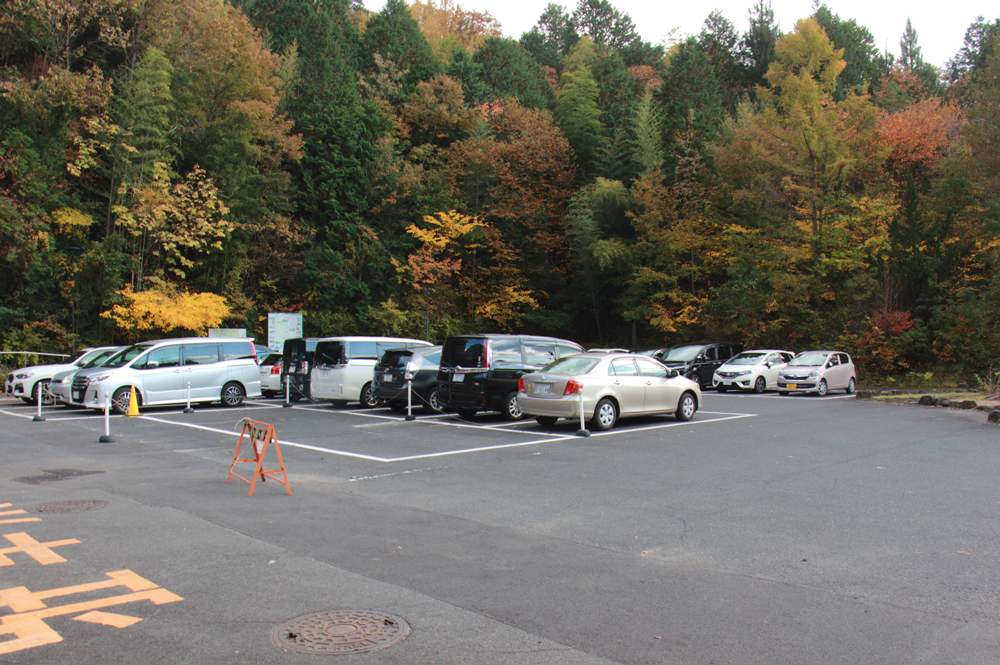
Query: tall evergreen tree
x=757 y=45
x=579 y=117
x=394 y=35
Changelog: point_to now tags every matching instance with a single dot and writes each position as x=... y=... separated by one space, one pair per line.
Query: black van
x=698 y=361
x=296 y=362
x=480 y=372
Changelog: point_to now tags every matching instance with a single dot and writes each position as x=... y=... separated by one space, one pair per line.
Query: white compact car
x=62 y=382
x=25 y=382
x=212 y=369
x=751 y=370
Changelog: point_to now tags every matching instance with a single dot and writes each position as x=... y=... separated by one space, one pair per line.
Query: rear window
x=330 y=353
x=463 y=352
x=237 y=350
x=571 y=366
x=396 y=357
x=271 y=359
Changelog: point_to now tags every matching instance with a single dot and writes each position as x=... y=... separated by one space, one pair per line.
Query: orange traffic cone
x=133 y=404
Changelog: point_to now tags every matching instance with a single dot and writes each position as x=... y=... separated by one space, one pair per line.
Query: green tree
x=394 y=35
x=757 y=45
x=579 y=118
x=864 y=63
x=505 y=69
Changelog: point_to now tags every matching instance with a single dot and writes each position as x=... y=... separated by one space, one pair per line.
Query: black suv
x=698 y=361
x=480 y=372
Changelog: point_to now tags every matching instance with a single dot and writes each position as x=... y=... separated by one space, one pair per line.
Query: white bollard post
x=409 y=400
x=106 y=437
x=288 y=402
x=188 y=408
x=583 y=431
x=38 y=391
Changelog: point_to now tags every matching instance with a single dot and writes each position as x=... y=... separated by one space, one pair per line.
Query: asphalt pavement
x=768 y=530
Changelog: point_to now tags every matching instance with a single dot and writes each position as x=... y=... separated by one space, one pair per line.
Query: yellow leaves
x=504 y=306
x=163 y=310
x=70 y=222
x=445 y=228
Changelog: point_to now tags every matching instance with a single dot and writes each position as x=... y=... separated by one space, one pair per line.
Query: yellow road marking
x=40 y=552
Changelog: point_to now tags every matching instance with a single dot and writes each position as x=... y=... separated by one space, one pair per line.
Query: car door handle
x=616 y=382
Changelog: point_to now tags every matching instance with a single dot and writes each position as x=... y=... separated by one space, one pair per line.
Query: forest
x=172 y=166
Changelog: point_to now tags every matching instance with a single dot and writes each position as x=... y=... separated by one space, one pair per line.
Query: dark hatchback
x=419 y=364
x=480 y=372
x=296 y=363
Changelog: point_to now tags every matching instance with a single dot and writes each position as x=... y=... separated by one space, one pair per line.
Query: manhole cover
x=69 y=507
x=340 y=632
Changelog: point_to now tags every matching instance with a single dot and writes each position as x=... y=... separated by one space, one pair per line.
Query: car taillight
x=573 y=387
x=520 y=386
x=276 y=368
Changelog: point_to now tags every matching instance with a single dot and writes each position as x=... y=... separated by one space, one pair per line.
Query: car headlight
x=24 y=375
x=815 y=372
x=66 y=379
x=744 y=372
x=99 y=378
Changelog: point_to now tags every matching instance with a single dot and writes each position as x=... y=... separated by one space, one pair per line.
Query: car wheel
x=512 y=410
x=546 y=421
x=760 y=385
x=431 y=402
x=368 y=398
x=232 y=394
x=46 y=397
x=466 y=413
x=397 y=406
x=686 y=407
x=605 y=415
x=821 y=388
x=721 y=388
x=850 y=386
x=121 y=397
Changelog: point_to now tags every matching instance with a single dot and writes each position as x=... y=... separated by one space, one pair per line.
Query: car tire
x=368 y=398
x=760 y=385
x=821 y=389
x=232 y=395
x=511 y=409
x=466 y=413
x=43 y=385
x=687 y=406
x=851 y=385
x=605 y=415
x=397 y=406
x=432 y=404
x=121 y=397
x=546 y=421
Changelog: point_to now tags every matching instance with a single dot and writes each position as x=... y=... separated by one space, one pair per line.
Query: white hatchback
x=755 y=370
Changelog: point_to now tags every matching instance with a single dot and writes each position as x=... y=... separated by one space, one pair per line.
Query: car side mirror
x=151 y=364
x=673 y=374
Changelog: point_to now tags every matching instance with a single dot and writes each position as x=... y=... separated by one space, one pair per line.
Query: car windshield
x=99 y=359
x=125 y=356
x=683 y=353
x=571 y=366
x=645 y=352
x=808 y=360
x=748 y=358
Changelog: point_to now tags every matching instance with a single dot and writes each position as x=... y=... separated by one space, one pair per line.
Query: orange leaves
x=162 y=309
x=919 y=136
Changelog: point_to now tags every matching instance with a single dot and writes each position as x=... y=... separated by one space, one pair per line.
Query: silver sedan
x=613 y=385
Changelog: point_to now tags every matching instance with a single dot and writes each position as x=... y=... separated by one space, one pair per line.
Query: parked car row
x=516 y=375
x=166 y=371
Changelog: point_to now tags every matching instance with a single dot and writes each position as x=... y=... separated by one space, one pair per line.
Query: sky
x=940 y=27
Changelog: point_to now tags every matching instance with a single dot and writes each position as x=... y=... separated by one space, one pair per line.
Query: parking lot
x=767 y=530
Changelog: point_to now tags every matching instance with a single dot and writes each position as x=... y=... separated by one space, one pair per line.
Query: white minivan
x=162 y=372
x=343 y=367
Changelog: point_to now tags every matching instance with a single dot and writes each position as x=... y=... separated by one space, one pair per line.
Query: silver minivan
x=163 y=371
x=343 y=367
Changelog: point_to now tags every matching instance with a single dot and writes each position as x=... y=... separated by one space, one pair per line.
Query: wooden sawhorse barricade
x=261 y=433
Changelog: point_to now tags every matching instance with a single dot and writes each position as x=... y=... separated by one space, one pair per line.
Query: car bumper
x=797 y=386
x=567 y=406
x=734 y=383
x=60 y=392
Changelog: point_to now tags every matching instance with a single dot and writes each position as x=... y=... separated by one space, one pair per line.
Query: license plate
x=77 y=396
x=792 y=386
x=541 y=388
x=387 y=378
